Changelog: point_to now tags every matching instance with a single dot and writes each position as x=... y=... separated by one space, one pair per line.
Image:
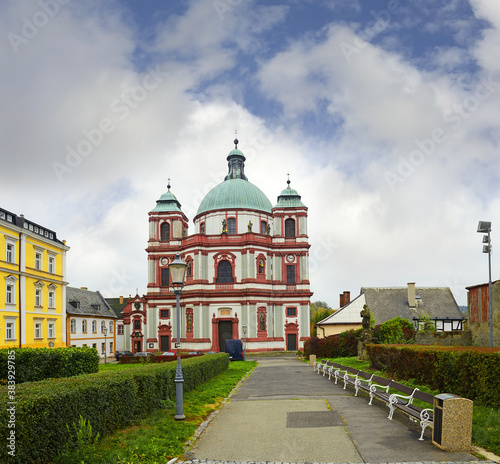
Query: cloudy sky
x=385 y=113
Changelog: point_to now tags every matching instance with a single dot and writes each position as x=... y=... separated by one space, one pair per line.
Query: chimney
x=347 y=297
x=341 y=300
x=411 y=295
x=121 y=299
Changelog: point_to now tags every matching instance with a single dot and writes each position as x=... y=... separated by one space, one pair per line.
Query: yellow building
x=32 y=284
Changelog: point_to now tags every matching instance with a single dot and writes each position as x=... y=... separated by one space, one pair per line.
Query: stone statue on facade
x=250 y=225
x=224 y=226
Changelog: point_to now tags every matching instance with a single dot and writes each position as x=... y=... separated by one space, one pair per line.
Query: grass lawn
x=485 y=420
x=159 y=437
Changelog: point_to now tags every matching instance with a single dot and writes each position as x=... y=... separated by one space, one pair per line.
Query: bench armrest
x=375 y=386
x=426 y=415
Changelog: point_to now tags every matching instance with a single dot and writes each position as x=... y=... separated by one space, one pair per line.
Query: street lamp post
x=244 y=342
x=105 y=332
x=177 y=274
x=485 y=228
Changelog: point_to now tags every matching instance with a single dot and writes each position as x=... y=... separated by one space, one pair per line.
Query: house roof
x=116 y=306
x=348 y=314
x=81 y=302
x=389 y=302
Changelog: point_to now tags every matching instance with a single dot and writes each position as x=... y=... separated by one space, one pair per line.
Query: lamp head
x=177 y=272
x=484 y=227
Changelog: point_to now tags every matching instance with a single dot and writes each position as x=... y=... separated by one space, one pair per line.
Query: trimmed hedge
x=34 y=364
x=108 y=400
x=469 y=373
x=340 y=345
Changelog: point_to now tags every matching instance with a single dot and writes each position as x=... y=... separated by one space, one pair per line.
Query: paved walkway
x=286 y=413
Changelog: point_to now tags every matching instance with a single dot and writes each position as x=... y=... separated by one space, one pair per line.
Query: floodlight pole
x=490 y=290
x=485 y=228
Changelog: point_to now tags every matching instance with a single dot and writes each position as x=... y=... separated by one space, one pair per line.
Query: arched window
x=189 y=270
x=263 y=227
x=73 y=326
x=231 y=225
x=84 y=326
x=165 y=232
x=290 y=227
x=224 y=272
x=261 y=266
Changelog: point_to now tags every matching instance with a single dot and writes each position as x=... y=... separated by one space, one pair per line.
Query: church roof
x=289 y=198
x=235 y=191
x=167 y=202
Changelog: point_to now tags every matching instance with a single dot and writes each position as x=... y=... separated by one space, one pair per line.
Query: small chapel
x=247 y=274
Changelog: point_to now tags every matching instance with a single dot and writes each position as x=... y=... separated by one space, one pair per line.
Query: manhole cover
x=305 y=419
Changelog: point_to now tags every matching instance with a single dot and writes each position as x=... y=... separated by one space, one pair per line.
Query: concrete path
x=284 y=412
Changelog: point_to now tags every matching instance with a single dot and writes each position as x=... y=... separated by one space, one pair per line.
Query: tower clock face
x=164 y=261
x=290 y=258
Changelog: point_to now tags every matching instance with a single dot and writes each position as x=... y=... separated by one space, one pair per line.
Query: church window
x=164 y=313
x=165 y=232
x=137 y=324
x=263 y=227
x=189 y=270
x=120 y=330
x=231 y=225
x=291 y=312
x=165 y=277
x=224 y=272
x=261 y=266
x=290 y=273
x=290 y=227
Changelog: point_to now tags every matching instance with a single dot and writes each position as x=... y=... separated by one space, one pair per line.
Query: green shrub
x=46 y=410
x=473 y=374
x=335 y=346
x=34 y=364
x=394 y=331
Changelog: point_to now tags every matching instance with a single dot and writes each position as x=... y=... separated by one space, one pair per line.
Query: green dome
x=235 y=193
x=289 y=198
x=167 y=202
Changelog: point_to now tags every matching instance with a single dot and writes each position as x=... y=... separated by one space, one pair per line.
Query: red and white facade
x=248 y=264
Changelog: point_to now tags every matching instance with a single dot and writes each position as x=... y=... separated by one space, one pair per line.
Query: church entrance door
x=137 y=346
x=291 y=342
x=164 y=343
x=225 y=333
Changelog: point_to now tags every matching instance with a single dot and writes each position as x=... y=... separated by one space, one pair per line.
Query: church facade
x=247 y=272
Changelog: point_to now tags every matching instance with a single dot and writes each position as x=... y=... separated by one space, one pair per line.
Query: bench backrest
x=365 y=375
x=352 y=371
x=381 y=380
x=402 y=388
x=428 y=398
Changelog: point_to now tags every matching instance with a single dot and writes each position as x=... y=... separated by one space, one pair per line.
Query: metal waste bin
x=452 y=422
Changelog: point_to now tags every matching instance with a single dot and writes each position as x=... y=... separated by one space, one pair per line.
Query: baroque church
x=247 y=272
